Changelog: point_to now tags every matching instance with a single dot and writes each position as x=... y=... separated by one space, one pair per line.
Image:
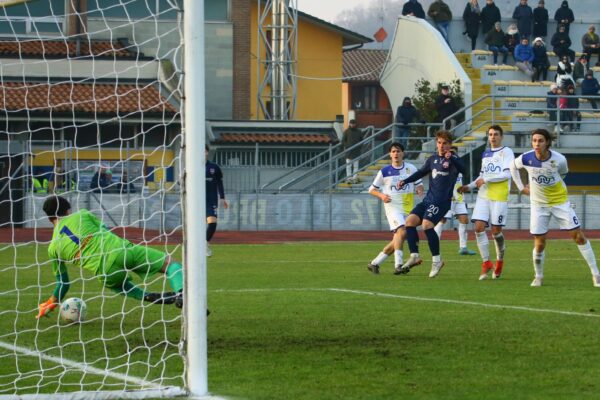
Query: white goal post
x=102 y=104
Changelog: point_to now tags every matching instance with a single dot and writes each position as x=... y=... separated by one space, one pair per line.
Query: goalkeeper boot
x=160 y=298
x=436 y=267
x=498 y=269
x=412 y=262
x=179 y=299
x=374 y=268
x=486 y=267
x=596 y=280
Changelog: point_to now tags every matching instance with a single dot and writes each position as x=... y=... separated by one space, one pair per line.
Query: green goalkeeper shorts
x=144 y=261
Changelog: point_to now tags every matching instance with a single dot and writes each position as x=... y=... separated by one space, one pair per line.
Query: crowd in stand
x=532 y=58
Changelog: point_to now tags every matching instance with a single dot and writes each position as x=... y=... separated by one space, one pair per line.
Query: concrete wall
x=270 y=212
x=419 y=52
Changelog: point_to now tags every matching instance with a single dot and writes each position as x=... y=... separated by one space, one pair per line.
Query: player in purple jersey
x=443 y=169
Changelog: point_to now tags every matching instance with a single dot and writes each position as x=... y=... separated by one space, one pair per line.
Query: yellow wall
x=319 y=55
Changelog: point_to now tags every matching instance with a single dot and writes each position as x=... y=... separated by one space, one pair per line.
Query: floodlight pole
x=194 y=194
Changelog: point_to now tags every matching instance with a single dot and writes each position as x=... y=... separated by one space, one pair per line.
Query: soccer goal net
x=92 y=114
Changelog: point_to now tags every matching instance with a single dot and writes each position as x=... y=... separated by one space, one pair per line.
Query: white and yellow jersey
x=495 y=171
x=387 y=180
x=456 y=196
x=546 y=184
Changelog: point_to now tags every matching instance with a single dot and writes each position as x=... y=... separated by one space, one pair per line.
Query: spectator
x=561 y=43
x=540 y=21
x=40 y=183
x=495 y=41
x=541 y=63
x=405 y=114
x=412 y=8
x=101 y=180
x=524 y=16
x=569 y=104
x=552 y=104
x=590 y=87
x=512 y=38
x=441 y=15
x=590 y=42
x=472 y=18
x=351 y=137
x=445 y=107
x=490 y=14
x=580 y=69
x=564 y=74
x=524 y=57
x=124 y=185
x=564 y=16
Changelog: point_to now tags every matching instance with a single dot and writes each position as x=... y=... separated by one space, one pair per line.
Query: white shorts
x=457 y=208
x=540 y=218
x=491 y=212
x=395 y=217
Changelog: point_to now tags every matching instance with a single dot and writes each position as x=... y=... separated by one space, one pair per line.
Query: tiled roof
x=103 y=98
x=363 y=65
x=277 y=138
x=64 y=48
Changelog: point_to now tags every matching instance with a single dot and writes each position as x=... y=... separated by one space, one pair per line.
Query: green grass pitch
x=308 y=321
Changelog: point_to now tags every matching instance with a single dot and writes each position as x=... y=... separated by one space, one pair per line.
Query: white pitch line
x=83 y=367
x=417 y=298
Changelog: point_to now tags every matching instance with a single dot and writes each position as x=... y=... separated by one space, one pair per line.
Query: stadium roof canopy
x=271 y=132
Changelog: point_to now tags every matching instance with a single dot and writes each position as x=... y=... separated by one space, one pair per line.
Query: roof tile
x=64 y=48
x=78 y=97
x=274 y=138
x=363 y=65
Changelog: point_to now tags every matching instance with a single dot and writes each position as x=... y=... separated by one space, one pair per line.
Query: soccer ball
x=73 y=310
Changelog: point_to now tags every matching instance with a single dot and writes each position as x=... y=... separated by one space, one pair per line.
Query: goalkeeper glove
x=46 y=307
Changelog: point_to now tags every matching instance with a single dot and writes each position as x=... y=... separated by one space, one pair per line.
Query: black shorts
x=431 y=212
x=211 y=210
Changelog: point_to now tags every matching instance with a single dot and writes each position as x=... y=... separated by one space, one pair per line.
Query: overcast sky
x=329 y=9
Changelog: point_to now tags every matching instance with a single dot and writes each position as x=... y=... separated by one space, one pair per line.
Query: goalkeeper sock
x=588 y=254
x=130 y=290
x=483 y=245
x=211 y=228
x=538 y=263
x=174 y=275
x=439 y=228
x=499 y=242
x=381 y=257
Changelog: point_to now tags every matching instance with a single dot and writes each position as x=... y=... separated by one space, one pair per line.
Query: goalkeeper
x=81 y=239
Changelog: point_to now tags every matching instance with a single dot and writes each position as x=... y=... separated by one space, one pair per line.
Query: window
x=364 y=98
x=216 y=10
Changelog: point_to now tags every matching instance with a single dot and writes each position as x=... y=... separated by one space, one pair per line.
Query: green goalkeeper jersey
x=83 y=240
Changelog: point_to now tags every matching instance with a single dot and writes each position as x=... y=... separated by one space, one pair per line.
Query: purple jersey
x=444 y=173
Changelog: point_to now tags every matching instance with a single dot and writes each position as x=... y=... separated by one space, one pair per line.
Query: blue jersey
x=444 y=173
x=214 y=184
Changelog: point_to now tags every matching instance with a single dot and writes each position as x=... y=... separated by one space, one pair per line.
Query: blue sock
x=434 y=241
x=412 y=237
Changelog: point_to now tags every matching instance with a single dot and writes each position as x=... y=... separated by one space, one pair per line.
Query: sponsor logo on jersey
x=491 y=168
x=543 y=180
x=435 y=173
